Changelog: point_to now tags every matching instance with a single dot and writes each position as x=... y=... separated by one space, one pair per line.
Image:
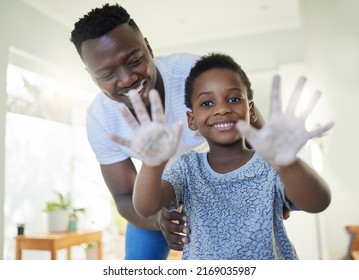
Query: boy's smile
x=224 y=125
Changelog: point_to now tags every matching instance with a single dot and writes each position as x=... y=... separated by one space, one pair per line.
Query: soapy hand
x=153 y=142
x=280 y=139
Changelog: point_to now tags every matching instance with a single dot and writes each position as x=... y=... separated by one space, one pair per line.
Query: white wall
x=45 y=39
x=254 y=52
x=331 y=30
x=3 y=65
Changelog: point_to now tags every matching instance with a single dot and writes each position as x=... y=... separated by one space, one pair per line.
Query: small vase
x=73 y=223
x=91 y=253
x=58 y=221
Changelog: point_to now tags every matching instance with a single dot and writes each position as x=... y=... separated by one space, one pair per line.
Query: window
x=47 y=151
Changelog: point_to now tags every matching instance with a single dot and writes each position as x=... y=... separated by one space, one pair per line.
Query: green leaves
x=62 y=203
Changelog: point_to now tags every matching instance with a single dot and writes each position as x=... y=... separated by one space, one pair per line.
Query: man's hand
x=172 y=225
x=152 y=142
x=280 y=139
x=286 y=213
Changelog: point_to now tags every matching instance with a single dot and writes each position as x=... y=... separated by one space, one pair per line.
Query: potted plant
x=61 y=216
x=91 y=251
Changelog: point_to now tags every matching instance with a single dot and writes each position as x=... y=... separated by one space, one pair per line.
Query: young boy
x=233 y=196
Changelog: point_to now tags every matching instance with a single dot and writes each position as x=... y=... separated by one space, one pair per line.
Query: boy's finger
x=275 y=102
x=294 y=99
x=309 y=107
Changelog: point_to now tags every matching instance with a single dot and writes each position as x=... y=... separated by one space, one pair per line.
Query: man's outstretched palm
x=153 y=142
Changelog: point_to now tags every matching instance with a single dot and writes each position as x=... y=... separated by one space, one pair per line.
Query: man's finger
x=138 y=107
x=156 y=107
x=120 y=140
x=176 y=246
x=174 y=216
x=286 y=213
x=130 y=119
x=174 y=241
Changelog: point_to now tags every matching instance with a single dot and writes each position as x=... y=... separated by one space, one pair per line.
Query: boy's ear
x=191 y=121
x=252 y=113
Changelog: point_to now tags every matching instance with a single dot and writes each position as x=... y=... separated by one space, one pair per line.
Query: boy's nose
x=222 y=108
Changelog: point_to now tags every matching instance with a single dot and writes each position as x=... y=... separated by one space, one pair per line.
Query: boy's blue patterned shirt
x=237 y=215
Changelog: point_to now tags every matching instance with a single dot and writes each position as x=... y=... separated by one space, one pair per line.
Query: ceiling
x=179 y=22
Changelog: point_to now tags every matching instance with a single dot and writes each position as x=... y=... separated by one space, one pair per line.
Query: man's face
x=119 y=61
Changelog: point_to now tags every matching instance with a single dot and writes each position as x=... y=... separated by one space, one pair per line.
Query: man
x=119 y=59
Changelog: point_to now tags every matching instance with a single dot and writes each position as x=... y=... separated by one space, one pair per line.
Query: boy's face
x=219 y=99
x=119 y=61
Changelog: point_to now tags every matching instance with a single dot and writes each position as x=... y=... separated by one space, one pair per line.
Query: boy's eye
x=234 y=99
x=206 y=103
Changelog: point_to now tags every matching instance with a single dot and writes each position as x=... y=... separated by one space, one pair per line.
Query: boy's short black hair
x=99 y=22
x=212 y=61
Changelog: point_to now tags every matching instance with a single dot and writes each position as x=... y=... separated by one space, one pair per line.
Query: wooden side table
x=354 y=242
x=55 y=241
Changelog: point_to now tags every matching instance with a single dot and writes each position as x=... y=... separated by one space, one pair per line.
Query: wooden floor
x=119 y=253
x=175 y=255
x=355 y=255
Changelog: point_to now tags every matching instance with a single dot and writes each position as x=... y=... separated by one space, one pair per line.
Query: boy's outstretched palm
x=153 y=142
x=280 y=139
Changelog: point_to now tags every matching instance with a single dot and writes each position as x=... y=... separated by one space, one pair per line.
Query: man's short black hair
x=99 y=22
x=213 y=61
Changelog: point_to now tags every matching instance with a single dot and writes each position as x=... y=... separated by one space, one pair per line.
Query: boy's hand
x=152 y=142
x=280 y=139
